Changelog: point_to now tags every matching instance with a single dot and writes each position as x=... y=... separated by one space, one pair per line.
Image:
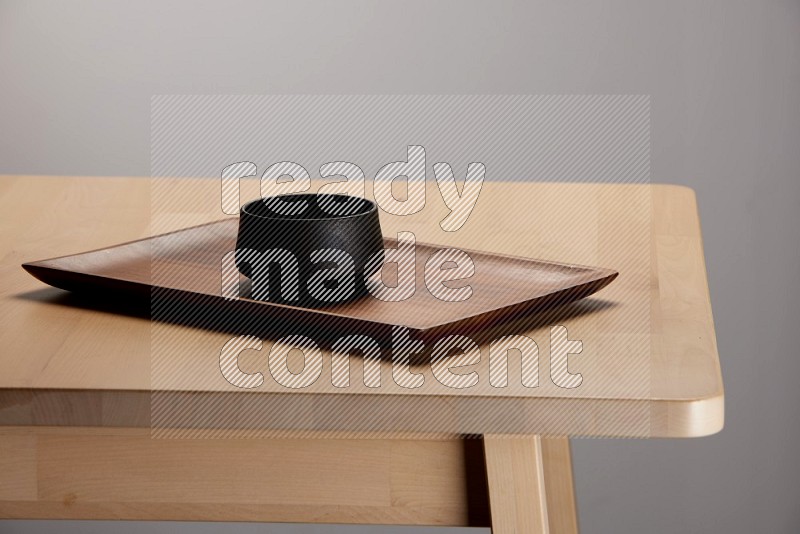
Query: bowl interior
x=318 y=207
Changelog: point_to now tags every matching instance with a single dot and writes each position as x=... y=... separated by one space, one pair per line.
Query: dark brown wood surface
x=185 y=266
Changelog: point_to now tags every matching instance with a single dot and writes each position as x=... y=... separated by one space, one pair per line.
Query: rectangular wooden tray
x=185 y=266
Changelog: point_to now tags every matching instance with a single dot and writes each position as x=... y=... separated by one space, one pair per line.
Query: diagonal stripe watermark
x=431 y=163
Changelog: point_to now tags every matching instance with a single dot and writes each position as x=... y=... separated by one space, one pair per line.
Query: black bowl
x=309 y=250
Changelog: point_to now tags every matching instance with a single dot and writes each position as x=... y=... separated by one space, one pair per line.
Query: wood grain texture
x=562 y=512
x=530 y=485
x=122 y=473
x=517 y=491
x=73 y=362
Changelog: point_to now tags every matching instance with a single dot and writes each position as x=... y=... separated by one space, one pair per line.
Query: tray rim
x=599 y=279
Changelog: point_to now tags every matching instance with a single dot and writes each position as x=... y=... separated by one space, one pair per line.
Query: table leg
x=530 y=485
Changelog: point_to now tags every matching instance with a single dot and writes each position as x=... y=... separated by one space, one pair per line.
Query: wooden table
x=76 y=384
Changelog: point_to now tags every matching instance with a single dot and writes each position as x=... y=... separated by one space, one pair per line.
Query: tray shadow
x=236 y=321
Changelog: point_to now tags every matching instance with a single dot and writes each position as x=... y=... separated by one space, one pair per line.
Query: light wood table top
x=649 y=363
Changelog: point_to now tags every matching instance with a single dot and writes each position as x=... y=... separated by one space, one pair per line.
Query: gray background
x=75 y=86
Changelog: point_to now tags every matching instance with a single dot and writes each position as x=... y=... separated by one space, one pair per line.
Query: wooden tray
x=184 y=267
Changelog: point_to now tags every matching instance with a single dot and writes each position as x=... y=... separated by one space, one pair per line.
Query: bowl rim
x=372 y=207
